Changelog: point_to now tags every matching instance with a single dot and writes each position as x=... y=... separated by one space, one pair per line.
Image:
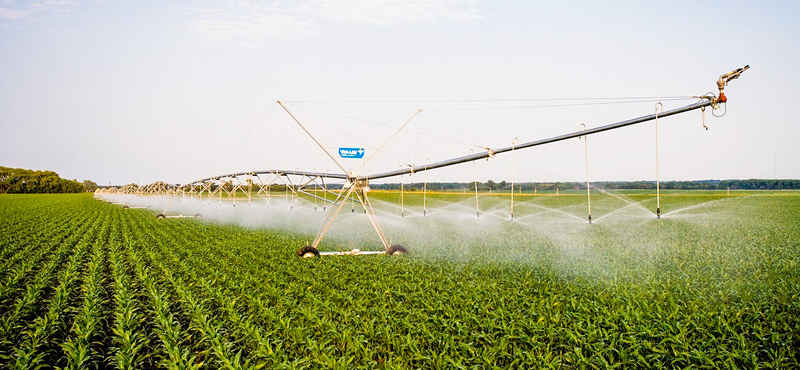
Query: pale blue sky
x=141 y=91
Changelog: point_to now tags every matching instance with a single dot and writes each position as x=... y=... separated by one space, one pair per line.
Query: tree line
x=22 y=181
x=748 y=184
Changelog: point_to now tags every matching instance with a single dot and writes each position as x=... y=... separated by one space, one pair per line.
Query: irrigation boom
x=355 y=187
x=706 y=101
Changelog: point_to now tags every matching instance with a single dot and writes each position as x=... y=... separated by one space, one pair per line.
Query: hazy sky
x=138 y=91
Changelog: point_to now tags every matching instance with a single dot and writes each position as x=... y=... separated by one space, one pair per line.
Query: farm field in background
x=713 y=284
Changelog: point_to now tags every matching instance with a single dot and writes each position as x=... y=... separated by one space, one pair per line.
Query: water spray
x=356 y=186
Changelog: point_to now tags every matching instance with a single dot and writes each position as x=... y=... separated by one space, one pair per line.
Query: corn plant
x=78 y=348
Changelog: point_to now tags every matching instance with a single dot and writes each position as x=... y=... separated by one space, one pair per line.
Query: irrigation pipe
x=492 y=152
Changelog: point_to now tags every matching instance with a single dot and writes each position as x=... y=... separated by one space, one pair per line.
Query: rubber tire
x=396 y=250
x=160 y=216
x=307 y=252
x=197 y=215
x=126 y=207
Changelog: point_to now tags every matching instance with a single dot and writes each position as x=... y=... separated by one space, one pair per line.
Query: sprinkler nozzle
x=590 y=218
x=658 y=212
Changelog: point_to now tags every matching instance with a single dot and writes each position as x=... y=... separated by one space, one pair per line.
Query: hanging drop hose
x=513 y=144
x=658 y=180
x=582 y=127
x=703 y=109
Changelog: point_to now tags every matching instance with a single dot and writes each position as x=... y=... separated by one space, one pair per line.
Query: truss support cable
x=366 y=160
x=315 y=197
x=312 y=137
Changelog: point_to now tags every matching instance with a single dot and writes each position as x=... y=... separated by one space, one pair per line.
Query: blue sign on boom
x=351 y=152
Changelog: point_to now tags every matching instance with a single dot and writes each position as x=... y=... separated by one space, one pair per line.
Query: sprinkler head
x=590 y=219
x=658 y=212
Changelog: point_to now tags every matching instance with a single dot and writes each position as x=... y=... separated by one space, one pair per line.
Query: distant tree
x=17 y=180
x=89 y=186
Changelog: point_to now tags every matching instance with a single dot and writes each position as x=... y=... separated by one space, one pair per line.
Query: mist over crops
x=624 y=244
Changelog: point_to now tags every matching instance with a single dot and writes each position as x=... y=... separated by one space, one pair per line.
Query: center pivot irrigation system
x=355 y=187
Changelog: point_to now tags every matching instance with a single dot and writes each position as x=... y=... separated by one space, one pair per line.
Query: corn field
x=89 y=285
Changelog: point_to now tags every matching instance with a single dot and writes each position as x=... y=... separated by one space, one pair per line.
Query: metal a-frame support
x=352 y=185
x=360 y=189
